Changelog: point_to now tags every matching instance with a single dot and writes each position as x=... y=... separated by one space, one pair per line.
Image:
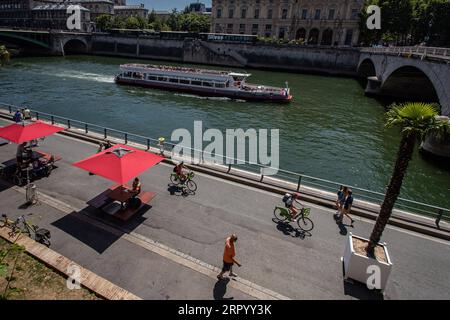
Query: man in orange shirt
x=228 y=257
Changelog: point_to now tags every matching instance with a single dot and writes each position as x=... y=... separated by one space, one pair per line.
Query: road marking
x=174 y=255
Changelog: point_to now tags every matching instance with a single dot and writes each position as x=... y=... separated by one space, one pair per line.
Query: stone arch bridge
x=412 y=73
x=47 y=42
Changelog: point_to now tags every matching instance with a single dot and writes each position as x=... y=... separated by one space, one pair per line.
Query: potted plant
x=364 y=258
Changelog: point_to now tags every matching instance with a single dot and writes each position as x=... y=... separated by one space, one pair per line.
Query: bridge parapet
x=416 y=51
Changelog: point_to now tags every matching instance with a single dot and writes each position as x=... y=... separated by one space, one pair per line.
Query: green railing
x=283 y=178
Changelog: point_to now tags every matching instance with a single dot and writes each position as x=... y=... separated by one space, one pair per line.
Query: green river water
x=330 y=130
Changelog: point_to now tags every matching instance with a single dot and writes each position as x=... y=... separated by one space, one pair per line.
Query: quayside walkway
x=174 y=248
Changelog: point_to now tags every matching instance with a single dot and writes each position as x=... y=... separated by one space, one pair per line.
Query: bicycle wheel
x=17 y=180
x=278 y=213
x=174 y=179
x=191 y=185
x=305 y=223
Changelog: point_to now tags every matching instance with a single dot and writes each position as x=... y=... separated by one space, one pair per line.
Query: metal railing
x=295 y=181
x=422 y=52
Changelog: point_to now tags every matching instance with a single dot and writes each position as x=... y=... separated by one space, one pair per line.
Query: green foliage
x=408 y=22
x=418 y=118
x=104 y=22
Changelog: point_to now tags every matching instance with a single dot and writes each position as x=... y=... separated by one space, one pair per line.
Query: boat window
x=162 y=79
x=175 y=80
x=219 y=85
x=196 y=83
x=128 y=74
x=207 y=84
x=150 y=77
x=185 y=81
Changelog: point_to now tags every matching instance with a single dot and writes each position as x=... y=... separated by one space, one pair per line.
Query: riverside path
x=173 y=250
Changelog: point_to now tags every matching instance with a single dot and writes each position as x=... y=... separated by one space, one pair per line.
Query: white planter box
x=356 y=265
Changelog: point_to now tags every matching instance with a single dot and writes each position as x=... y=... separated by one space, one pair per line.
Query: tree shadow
x=220 y=288
x=287 y=229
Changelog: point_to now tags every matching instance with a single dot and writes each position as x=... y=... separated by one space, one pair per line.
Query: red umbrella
x=19 y=133
x=120 y=163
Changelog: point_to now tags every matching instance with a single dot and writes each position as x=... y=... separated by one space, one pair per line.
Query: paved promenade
x=172 y=250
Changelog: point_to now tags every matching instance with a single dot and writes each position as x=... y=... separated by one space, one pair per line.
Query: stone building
x=17 y=13
x=131 y=11
x=317 y=22
x=55 y=16
x=97 y=7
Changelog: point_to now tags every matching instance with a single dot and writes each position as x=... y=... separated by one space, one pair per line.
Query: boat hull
x=207 y=92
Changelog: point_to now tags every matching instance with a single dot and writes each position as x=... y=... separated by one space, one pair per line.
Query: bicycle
x=188 y=183
x=21 y=225
x=303 y=221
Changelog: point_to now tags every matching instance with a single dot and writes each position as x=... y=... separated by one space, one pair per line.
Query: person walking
x=228 y=257
x=347 y=206
x=341 y=194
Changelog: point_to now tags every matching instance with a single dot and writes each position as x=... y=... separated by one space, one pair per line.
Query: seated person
x=179 y=171
x=136 y=188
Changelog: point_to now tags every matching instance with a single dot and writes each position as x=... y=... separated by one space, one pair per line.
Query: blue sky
x=167 y=4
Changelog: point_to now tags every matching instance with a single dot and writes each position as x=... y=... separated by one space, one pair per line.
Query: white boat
x=205 y=82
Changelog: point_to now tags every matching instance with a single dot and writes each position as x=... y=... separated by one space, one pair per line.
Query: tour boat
x=204 y=82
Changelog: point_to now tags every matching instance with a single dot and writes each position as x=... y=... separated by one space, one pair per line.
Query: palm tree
x=4 y=55
x=416 y=121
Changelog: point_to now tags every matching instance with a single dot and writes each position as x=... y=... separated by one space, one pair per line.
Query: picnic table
x=107 y=201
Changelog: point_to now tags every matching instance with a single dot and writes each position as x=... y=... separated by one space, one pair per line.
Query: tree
x=4 y=55
x=104 y=22
x=416 y=121
x=132 y=23
x=118 y=23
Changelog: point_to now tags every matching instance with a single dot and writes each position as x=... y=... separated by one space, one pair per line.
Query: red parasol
x=19 y=133
x=120 y=163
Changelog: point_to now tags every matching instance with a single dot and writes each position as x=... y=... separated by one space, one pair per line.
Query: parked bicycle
x=188 y=182
x=21 y=225
x=302 y=217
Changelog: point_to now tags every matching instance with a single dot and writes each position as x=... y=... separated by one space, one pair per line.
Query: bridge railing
x=422 y=52
x=367 y=199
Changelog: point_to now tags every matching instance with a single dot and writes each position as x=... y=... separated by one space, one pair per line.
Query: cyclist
x=179 y=171
x=290 y=205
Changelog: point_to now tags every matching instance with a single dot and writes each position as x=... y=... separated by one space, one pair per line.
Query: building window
x=268 y=27
x=354 y=15
x=230 y=13
x=219 y=13
x=284 y=14
x=317 y=14
x=304 y=13
x=243 y=13
x=282 y=33
x=230 y=28
x=256 y=16
x=331 y=14
x=348 y=37
x=242 y=27
x=218 y=29
x=254 y=26
x=269 y=14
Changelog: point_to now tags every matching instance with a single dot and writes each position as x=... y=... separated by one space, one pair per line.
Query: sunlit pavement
x=274 y=256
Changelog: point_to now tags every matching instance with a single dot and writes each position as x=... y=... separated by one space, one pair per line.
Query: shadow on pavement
x=342 y=226
x=175 y=190
x=360 y=291
x=288 y=230
x=220 y=288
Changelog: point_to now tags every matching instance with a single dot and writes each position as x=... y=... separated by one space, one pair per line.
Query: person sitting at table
x=136 y=188
x=23 y=152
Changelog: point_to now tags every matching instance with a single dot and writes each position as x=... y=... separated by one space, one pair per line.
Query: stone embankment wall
x=336 y=61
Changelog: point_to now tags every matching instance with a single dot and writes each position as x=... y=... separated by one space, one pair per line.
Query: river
x=330 y=130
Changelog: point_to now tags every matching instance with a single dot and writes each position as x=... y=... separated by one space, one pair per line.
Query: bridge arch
x=75 y=46
x=366 y=68
x=416 y=81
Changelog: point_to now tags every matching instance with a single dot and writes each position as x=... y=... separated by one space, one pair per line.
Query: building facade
x=17 y=13
x=315 y=22
x=55 y=16
x=131 y=11
x=97 y=7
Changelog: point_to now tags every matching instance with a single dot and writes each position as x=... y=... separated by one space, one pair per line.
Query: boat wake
x=206 y=98
x=79 y=75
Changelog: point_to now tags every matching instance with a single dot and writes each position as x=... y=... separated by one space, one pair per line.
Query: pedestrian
x=341 y=194
x=347 y=206
x=26 y=114
x=228 y=257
